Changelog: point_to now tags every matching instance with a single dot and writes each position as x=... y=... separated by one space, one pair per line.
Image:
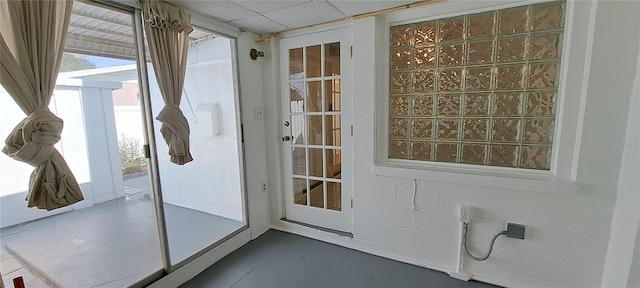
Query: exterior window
x=477 y=89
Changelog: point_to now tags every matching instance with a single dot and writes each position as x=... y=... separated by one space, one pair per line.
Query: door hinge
x=147 y=151
x=351 y=51
x=351 y=202
x=351 y=130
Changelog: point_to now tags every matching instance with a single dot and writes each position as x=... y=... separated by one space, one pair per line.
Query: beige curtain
x=32 y=36
x=167 y=29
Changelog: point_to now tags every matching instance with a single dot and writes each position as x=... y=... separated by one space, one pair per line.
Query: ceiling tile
x=221 y=10
x=268 y=5
x=306 y=14
x=355 y=7
x=258 y=24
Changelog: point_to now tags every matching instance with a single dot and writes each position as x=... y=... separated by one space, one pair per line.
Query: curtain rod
x=355 y=17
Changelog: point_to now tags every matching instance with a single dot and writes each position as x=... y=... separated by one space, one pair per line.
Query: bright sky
x=108 y=62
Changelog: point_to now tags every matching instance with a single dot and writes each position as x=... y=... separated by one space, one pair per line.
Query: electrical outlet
x=465 y=214
x=515 y=230
x=263 y=187
x=258 y=113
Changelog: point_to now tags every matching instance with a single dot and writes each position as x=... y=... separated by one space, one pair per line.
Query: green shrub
x=131 y=156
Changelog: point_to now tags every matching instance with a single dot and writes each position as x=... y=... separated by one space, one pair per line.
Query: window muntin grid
x=477 y=89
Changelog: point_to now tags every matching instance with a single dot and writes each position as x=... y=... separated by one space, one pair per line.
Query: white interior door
x=316 y=75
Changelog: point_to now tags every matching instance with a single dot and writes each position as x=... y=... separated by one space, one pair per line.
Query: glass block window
x=477 y=89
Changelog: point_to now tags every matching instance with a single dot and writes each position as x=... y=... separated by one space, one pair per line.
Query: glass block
x=334 y=163
x=451 y=29
x=401 y=36
x=480 y=53
x=300 y=191
x=398 y=106
x=398 y=149
x=535 y=157
x=540 y=103
x=423 y=105
x=332 y=97
x=401 y=60
x=421 y=151
x=476 y=105
x=505 y=130
x=400 y=83
x=480 y=25
x=446 y=152
x=449 y=105
x=511 y=49
x=334 y=196
x=425 y=57
x=299 y=161
x=546 y=46
x=546 y=17
x=507 y=104
x=314 y=62
x=316 y=167
x=298 y=127
x=296 y=94
x=474 y=154
x=538 y=131
x=314 y=96
x=332 y=59
x=315 y=130
x=334 y=130
x=478 y=79
x=425 y=33
x=504 y=155
x=316 y=197
x=451 y=55
x=542 y=75
x=449 y=80
x=398 y=128
x=425 y=81
x=475 y=129
x=512 y=21
x=296 y=64
x=422 y=128
x=447 y=129
x=509 y=77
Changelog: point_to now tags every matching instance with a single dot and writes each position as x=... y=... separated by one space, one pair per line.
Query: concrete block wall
x=567 y=234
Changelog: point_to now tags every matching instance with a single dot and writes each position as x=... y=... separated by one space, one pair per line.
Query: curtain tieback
x=32 y=140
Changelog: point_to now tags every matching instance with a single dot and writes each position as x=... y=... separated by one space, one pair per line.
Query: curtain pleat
x=167 y=29
x=32 y=36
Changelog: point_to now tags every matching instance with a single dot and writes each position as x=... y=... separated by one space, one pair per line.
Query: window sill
x=543 y=183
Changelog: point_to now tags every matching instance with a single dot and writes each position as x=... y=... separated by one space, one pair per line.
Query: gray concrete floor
x=280 y=260
x=112 y=244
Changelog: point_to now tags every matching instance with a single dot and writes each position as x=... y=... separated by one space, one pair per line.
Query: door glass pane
x=314 y=62
x=315 y=130
x=299 y=163
x=334 y=196
x=332 y=59
x=110 y=238
x=298 y=125
x=334 y=163
x=315 y=162
x=300 y=191
x=333 y=130
x=296 y=64
x=332 y=98
x=314 y=96
x=203 y=199
x=296 y=96
x=317 y=193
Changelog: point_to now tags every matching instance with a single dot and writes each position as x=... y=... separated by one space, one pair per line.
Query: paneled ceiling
x=269 y=16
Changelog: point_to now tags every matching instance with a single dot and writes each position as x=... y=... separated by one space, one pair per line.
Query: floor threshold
x=333 y=231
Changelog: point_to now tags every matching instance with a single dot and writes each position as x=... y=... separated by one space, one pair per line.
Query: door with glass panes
x=316 y=93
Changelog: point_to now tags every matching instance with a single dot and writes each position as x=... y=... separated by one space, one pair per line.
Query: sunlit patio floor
x=112 y=244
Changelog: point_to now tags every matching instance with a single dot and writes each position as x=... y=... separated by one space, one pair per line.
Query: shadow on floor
x=278 y=259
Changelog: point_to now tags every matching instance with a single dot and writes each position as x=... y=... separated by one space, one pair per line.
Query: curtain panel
x=32 y=37
x=167 y=29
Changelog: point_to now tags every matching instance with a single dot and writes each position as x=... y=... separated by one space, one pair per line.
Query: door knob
x=286 y=123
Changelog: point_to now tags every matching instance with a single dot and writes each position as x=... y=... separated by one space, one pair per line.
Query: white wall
x=567 y=234
x=624 y=239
